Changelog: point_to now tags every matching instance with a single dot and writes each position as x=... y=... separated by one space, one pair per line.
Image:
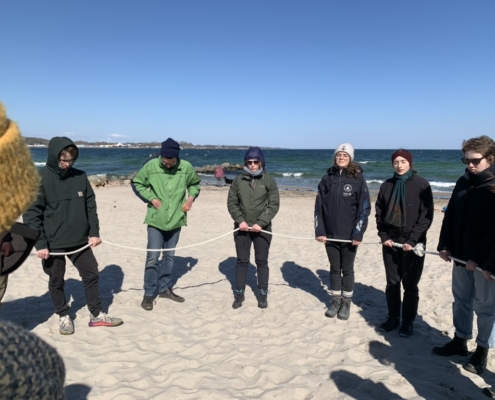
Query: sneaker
x=389 y=325
x=334 y=307
x=104 y=320
x=456 y=347
x=147 y=303
x=238 y=299
x=345 y=309
x=262 y=299
x=66 y=326
x=169 y=294
x=477 y=362
x=406 y=329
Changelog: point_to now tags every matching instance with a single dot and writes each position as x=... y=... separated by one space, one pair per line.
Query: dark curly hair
x=481 y=144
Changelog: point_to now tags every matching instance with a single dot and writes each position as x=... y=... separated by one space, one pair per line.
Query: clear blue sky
x=296 y=74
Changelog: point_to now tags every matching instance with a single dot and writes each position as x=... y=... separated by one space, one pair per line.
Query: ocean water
x=301 y=169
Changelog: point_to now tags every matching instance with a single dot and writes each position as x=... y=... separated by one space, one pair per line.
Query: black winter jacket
x=342 y=206
x=468 y=228
x=419 y=211
x=65 y=209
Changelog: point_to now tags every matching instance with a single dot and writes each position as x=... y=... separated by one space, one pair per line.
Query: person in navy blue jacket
x=341 y=212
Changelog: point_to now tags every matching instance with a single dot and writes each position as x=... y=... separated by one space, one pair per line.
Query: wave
x=40 y=164
x=442 y=184
x=375 y=181
x=365 y=162
x=292 y=174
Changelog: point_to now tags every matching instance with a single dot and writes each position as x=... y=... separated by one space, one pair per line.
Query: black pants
x=341 y=257
x=86 y=264
x=407 y=267
x=261 y=242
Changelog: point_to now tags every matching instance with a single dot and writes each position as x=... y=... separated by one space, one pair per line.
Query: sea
x=292 y=169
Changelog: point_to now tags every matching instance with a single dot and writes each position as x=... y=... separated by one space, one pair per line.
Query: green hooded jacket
x=65 y=209
x=254 y=200
x=170 y=187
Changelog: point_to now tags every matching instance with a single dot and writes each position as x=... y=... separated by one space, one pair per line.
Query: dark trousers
x=261 y=242
x=86 y=264
x=406 y=267
x=341 y=257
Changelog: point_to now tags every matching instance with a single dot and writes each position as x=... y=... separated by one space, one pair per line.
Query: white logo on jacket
x=347 y=188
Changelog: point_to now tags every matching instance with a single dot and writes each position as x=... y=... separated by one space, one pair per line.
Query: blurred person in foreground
x=29 y=367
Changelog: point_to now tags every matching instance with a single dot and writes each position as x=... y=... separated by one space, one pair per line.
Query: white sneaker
x=104 y=320
x=66 y=326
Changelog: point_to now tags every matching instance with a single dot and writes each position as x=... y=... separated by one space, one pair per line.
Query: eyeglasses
x=474 y=161
x=16 y=245
x=255 y=162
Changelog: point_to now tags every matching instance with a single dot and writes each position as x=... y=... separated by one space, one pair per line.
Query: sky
x=417 y=74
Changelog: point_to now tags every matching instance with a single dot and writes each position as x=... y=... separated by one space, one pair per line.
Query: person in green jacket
x=253 y=202
x=65 y=214
x=169 y=186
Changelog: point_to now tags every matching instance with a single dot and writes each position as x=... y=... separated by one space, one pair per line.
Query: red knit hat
x=403 y=153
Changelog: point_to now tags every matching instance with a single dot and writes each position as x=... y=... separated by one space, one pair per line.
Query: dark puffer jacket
x=419 y=211
x=342 y=206
x=468 y=228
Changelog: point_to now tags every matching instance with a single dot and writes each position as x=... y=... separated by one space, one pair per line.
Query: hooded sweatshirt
x=65 y=210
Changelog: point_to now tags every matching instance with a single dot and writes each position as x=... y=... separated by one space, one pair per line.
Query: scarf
x=396 y=211
x=255 y=173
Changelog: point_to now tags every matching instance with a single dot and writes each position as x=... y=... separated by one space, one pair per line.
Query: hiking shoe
x=456 y=346
x=389 y=325
x=406 y=329
x=345 y=309
x=147 y=303
x=489 y=391
x=104 y=320
x=238 y=299
x=262 y=299
x=477 y=362
x=169 y=294
x=66 y=326
x=334 y=307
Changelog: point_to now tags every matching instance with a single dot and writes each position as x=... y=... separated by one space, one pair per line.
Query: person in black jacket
x=468 y=233
x=341 y=218
x=65 y=214
x=404 y=213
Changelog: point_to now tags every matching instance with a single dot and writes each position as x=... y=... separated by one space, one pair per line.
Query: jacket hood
x=56 y=145
x=255 y=153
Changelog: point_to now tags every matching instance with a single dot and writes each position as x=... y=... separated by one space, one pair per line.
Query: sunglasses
x=252 y=162
x=15 y=246
x=474 y=161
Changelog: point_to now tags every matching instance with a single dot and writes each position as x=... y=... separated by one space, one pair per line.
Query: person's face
x=342 y=159
x=401 y=165
x=65 y=161
x=475 y=162
x=253 y=165
x=168 y=162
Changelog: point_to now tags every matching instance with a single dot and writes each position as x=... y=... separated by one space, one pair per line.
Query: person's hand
x=188 y=204
x=444 y=255
x=43 y=253
x=356 y=242
x=406 y=247
x=388 y=243
x=487 y=275
x=95 y=241
x=7 y=249
x=471 y=265
x=256 y=228
x=156 y=203
x=321 y=239
x=243 y=226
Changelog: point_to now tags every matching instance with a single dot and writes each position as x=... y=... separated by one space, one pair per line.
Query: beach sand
x=204 y=349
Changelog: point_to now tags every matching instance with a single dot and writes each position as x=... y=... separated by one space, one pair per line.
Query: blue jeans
x=472 y=292
x=156 y=272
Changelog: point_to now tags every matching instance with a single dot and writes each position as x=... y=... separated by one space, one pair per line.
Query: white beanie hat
x=346 y=148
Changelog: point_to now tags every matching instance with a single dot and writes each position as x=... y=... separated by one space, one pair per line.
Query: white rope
x=71 y=252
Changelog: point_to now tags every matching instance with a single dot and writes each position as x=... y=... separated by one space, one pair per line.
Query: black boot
x=345 y=309
x=238 y=298
x=456 y=346
x=262 y=298
x=389 y=325
x=334 y=307
x=477 y=362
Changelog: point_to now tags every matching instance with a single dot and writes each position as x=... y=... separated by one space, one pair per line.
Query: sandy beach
x=204 y=349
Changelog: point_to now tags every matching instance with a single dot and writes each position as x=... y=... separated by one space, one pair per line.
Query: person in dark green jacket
x=65 y=214
x=253 y=202
x=168 y=185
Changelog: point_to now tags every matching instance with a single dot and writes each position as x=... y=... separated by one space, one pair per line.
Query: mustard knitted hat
x=19 y=178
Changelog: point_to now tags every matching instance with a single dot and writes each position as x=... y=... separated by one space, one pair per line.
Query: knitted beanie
x=346 y=148
x=19 y=178
x=404 y=154
x=29 y=367
x=170 y=148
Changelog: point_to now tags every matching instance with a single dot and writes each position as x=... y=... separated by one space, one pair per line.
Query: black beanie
x=170 y=148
